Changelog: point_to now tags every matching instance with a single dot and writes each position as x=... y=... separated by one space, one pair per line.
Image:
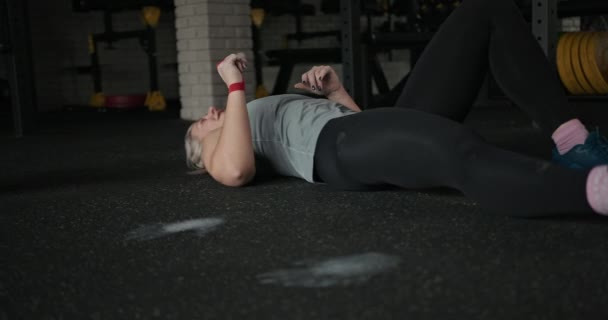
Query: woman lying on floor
x=421 y=142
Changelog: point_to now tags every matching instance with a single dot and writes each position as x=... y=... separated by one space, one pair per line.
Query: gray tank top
x=285 y=129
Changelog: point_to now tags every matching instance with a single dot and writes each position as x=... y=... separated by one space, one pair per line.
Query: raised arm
x=232 y=160
x=323 y=80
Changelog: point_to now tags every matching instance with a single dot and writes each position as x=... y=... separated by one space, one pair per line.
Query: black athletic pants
x=421 y=143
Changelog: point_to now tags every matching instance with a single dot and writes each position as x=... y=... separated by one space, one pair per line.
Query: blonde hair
x=194 y=152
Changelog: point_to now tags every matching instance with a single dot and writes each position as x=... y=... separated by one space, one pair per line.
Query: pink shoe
x=597 y=189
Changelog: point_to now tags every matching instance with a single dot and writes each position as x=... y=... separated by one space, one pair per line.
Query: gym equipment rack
x=15 y=48
x=544 y=20
x=151 y=10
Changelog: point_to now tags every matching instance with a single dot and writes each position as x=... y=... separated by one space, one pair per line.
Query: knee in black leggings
x=465 y=156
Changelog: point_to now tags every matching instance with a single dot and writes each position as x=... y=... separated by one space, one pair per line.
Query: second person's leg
x=478 y=34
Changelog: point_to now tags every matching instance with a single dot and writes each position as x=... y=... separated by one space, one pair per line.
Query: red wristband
x=236 y=86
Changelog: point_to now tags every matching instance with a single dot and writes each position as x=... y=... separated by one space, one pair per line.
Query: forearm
x=234 y=147
x=342 y=97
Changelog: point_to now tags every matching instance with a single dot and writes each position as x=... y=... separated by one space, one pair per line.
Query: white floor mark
x=200 y=226
x=343 y=271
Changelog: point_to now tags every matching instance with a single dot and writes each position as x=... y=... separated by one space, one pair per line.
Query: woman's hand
x=231 y=68
x=321 y=80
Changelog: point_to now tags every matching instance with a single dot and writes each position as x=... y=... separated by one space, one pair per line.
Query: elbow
x=230 y=173
x=238 y=178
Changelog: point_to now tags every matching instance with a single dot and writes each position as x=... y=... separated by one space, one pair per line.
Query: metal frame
x=352 y=68
x=544 y=24
x=17 y=49
x=147 y=39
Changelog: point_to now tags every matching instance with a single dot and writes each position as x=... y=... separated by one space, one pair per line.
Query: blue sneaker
x=585 y=156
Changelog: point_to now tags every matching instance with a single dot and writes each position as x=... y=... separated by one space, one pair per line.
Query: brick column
x=207 y=31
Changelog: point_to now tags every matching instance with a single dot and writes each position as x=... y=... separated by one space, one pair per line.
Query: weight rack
x=544 y=25
x=545 y=16
x=16 y=50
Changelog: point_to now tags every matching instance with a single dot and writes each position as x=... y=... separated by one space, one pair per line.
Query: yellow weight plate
x=257 y=16
x=577 y=68
x=577 y=89
x=601 y=55
x=565 y=65
x=590 y=66
x=587 y=64
x=150 y=15
x=559 y=58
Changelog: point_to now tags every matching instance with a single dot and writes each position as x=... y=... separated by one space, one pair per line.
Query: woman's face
x=213 y=120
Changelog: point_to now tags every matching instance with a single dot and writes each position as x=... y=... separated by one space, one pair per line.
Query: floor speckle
x=346 y=270
x=200 y=226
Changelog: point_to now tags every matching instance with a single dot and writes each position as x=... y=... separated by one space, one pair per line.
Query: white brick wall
x=59 y=42
x=207 y=31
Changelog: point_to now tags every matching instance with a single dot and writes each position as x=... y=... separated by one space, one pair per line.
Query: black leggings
x=422 y=144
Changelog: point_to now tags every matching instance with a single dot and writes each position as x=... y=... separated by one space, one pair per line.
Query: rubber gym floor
x=100 y=220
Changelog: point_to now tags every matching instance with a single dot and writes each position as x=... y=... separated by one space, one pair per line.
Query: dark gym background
x=87 y=192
